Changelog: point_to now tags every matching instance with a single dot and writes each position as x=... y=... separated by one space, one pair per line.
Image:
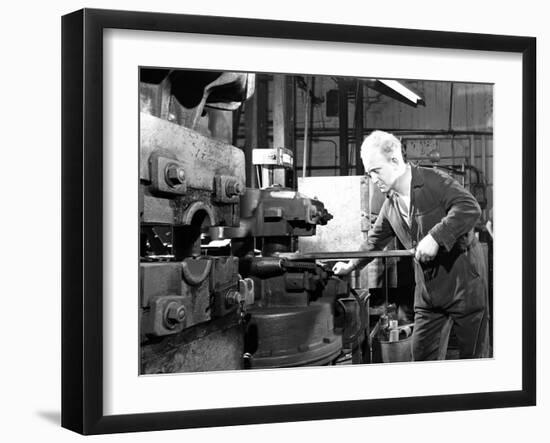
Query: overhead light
x=403 y=91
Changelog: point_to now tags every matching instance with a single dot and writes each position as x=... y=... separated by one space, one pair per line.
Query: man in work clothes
x=428 y=210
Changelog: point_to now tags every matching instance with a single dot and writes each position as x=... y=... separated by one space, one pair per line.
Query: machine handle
x=346 y=255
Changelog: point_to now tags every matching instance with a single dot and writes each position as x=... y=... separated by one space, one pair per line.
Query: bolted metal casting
x=245 y=294
x=228 y=188
x=233 y=298
x=175 y=175
x=233 y=187
x=174 y=314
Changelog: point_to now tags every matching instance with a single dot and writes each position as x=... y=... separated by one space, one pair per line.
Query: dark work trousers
x=452 y=294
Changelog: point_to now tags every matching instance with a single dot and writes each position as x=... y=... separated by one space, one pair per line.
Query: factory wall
x=455 y=121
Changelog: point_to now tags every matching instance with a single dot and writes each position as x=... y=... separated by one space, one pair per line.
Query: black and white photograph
x=293 y=220
x=274 y=221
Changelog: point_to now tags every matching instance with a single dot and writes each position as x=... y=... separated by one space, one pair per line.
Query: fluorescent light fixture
x=402 y=90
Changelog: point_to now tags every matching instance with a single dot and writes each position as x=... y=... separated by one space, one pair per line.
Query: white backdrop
x=30 y=178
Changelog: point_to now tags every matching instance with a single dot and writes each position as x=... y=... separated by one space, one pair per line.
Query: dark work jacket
x=439 y=206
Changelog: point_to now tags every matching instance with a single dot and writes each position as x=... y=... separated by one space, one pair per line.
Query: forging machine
x=216 y=291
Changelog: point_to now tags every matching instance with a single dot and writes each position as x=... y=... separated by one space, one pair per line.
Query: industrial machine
x=216 y=292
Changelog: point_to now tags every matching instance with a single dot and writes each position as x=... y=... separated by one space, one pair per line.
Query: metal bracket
x=228 y=189
x=278 y=157
x=244 y=296
x=166 y=316
x=191 y=275
x=167 y=175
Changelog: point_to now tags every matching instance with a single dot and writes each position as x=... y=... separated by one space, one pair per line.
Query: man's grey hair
x=386 y=143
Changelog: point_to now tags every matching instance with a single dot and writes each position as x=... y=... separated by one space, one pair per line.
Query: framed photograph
x=269 y=221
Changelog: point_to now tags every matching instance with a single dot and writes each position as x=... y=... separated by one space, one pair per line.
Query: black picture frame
x=82 y=279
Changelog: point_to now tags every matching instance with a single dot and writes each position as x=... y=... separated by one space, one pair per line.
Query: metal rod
x=346 y=255
x=386 y=285
x=451 y=108
x=420 y=132
x=359 y=117
x=306 y=131
x=343 y=127
x=310 y=129
x=484 y=168
x=472 y=160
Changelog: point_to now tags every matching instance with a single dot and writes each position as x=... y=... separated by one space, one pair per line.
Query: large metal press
x=220 y=287
x=235 y=263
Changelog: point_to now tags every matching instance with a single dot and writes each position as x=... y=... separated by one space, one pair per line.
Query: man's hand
x=426 y=249
x=342 y=268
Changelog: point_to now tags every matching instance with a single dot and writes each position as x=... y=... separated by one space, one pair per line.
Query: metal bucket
x=384 y=351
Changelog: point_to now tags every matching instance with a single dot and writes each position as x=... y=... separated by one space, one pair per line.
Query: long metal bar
x=290 y=130
x=311 y=124
x=343 y=126
x=256 y=133
x=359 y=117
x=306 y=131
x=332 y=132
x=346 y=255
x=386 y=285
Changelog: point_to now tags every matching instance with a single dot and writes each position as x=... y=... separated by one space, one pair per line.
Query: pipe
x=484 y=168
x=347 y=254
x=310 y=129
x=306 y=133
x=472 y=158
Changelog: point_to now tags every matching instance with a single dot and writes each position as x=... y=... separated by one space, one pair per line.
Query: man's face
x=382 y=172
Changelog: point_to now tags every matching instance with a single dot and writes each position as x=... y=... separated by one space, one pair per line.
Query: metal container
x=385 y=351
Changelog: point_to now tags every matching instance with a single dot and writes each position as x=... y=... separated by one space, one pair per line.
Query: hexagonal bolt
x=233 y=187
x=175 y=175
x=175 y=313
x=233 y=298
